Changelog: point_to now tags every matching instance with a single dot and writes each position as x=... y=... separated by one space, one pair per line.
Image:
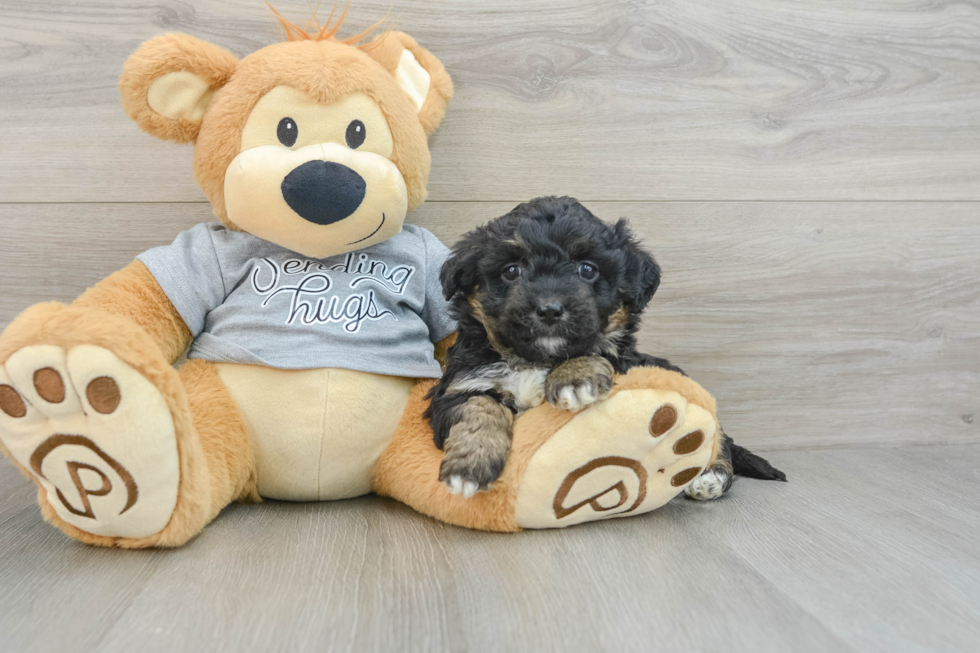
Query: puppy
x=548 y=300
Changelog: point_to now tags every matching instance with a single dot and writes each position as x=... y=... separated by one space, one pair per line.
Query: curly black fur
x=525 y=303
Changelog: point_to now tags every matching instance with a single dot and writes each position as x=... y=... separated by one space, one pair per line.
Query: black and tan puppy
x=548 y=300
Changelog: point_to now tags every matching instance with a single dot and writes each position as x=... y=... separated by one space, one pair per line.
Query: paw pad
x=11 y=403
x=663 y=420
x=685 y=477
x=689 y=443
x=103 y=394
x=604 y=462
x=97 y=436
x=49 y=385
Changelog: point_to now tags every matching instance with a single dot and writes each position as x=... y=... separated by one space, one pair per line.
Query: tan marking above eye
x=315 y=122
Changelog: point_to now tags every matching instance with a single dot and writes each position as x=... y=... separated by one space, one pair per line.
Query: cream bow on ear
x=167 y=84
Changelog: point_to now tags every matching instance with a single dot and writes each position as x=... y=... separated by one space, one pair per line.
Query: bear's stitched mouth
x=354 y=242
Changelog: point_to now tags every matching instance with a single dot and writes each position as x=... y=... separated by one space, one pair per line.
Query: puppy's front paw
x=471 y=465
x=477 y=447
x=579 y=382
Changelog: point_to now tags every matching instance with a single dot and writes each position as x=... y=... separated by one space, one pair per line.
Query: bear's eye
x=588 y=271
x=356 y=133
x=287 y=132
x=512 y=272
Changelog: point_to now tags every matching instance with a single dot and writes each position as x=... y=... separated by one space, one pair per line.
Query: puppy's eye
x=356 y=133
x=287 y=132
x=588 y=271
x=512 y=272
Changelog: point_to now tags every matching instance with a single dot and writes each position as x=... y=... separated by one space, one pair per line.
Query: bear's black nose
x=323 y=192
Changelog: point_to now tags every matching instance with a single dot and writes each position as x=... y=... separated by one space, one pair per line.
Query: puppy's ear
x=642 y=275
x=167 y=84
x=460 y=271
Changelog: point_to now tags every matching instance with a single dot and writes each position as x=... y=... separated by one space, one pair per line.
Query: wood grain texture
x=603 y=99
x=835 y=560
x=814 y=324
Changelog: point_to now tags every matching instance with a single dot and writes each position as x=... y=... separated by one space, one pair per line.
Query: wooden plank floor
x=808 y=175
x=865 y=549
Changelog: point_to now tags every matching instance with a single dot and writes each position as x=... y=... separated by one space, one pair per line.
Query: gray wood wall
x=807 y=173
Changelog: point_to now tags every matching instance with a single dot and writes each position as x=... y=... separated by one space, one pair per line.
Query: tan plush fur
x=409 y=469
x=224 y=436
x=442 y=349
x=387 y=53
x=215 y=457
x=133 y=292
x=162 y=55
x=326 y=71
x=129 y=314
x=66 y=327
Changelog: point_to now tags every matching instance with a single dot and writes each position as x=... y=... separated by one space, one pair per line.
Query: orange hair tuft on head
x=294 y=32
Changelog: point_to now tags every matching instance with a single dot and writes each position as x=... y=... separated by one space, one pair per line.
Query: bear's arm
x=133 y=292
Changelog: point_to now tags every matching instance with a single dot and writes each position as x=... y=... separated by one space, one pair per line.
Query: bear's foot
x=627 y=455
x=97 y=436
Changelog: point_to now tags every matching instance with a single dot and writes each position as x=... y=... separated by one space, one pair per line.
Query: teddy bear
x=312 y=321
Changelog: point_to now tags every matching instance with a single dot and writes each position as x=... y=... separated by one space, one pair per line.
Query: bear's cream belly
x=316 y=434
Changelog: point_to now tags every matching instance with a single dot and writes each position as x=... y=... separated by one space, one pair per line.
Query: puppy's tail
x=747 y=464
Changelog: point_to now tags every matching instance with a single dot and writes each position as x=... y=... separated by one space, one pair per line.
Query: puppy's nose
x=323 y=192
x=550 y=313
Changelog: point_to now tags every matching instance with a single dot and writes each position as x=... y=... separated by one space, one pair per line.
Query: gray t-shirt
x=246 y=300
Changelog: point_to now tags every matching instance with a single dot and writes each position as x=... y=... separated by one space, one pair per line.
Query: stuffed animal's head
x=316 y=144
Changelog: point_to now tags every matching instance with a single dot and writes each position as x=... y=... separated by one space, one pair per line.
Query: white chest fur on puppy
x=526 y=386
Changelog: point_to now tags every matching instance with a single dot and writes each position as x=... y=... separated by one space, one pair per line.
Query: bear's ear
x=418 y=72
x=167 y=84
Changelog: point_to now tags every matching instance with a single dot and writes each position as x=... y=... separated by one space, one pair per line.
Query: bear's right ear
x=167 y=84
x=417 y=72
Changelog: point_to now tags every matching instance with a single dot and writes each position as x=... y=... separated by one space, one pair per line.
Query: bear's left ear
x=418 y=72
x=167 y=84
